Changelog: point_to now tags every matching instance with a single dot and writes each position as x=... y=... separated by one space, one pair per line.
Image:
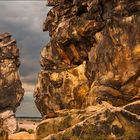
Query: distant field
x=35 y=119
x=28 y=122
x=27 y=109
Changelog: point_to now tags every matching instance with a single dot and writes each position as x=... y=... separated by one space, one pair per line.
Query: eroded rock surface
x=100 y=122
x=115 y=61
x=11 y=91
x=59 y=90
x=103 y=34
x=100 y=39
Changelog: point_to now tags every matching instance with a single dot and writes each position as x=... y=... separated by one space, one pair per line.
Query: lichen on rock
x=100 y=122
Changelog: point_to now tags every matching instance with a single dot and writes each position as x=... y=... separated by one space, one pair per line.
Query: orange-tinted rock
x=56 y=90
x=115 y=62
x=95 y=122
x=11 y=91
x=111 y=29
x=106 y=36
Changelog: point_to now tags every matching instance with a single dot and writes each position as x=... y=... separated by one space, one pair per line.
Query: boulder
x=95 y=122
x=89 y=85
x=102 y=34
x=56 y=90
x=11 y=91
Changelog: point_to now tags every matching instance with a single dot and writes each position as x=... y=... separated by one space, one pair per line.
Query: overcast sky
x=24 y=20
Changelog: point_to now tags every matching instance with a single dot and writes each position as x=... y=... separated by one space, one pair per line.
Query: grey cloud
x=24 y=21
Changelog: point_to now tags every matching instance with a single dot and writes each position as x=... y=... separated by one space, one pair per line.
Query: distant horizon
x=27 y=107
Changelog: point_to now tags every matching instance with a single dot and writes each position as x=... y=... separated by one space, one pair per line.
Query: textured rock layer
x=59 y=90
x=93 y=57
x=11 y=91
x=100 y=122
x=105 y=35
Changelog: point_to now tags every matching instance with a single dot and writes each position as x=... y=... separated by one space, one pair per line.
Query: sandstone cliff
x=11 y=91
x=93 y=57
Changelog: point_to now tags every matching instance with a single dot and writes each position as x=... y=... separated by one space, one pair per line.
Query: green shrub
x=30 y=131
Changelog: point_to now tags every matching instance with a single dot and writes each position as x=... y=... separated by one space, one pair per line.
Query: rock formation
x=63 y=81
x=100 y=122
x=92 y=59
x=11 y=91
x=110 y=70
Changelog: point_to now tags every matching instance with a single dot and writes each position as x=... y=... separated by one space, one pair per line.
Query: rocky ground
x=100 y=122
x=26 y=130
x=27 y=124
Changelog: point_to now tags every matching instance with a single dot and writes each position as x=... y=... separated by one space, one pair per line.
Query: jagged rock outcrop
x=100 y=122
x=112 y=66
x=101 y=40
x=11 y=91
x=65 y=55
x=115 y=58
x=56 y=90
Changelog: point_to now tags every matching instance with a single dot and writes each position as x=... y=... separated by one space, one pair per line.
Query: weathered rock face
x=59 y=90
x=101 y=40
x=115 y=59
x=93 y=123
x=11 y=91
x=112 y=71
x=63 y=82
